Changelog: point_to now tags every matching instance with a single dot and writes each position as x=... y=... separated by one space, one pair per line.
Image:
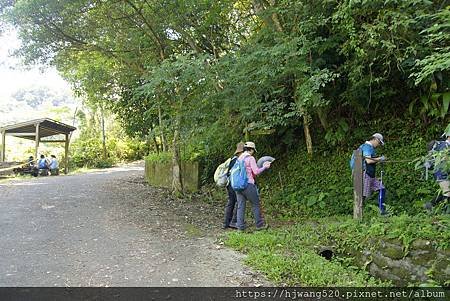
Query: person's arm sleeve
x=366 y=151
x=255 y=169
x=368 y=155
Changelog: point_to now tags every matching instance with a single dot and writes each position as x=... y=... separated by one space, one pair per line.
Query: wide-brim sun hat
x=379 y=137
x=239 y=148
x=263 y=159
x=250 y=145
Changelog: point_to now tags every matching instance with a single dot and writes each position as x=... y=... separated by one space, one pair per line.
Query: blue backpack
x=42 y=163
x=352 y=160
x=238 y=176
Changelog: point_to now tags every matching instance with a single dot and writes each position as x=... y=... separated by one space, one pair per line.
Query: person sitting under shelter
x=54 y=166
x=42 y=165
x=43 y=162
x=30 y=161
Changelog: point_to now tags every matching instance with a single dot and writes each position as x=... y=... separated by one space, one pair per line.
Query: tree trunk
x=259 y=8
x=275 y=18
x=102 y=113
x=74 y=119
x=163 y=138
x=274 y=21
x=156 y=145
x=177 y=184
x=152 y=140
x=306 y=123
x=322 y=114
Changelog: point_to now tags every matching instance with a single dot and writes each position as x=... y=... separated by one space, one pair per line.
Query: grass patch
x=288 y=255
x=286 y=262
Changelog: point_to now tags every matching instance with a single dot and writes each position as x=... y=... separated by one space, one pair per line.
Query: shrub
x=162 y=157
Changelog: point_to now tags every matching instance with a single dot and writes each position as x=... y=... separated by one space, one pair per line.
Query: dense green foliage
x=163 y=157
x=88 y=150
x=213 y=69
x=297 y=187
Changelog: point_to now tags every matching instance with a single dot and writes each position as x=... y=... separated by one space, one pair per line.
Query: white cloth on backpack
x=220 y=175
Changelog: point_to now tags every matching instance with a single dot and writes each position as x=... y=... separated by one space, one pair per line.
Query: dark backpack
x=433 y=146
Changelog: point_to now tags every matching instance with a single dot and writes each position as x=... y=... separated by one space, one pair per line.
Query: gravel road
x=108 y=228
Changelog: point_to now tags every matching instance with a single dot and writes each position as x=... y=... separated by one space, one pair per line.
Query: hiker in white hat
x=251 y=191
x=371 y=183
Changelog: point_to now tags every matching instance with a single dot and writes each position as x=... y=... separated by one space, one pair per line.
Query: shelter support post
x=66 y=154
x=36 y=151
x=3 y=150
x=358 y=185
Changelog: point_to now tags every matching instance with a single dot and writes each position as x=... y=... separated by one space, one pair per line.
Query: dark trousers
x=250 y=193
x=230 y=213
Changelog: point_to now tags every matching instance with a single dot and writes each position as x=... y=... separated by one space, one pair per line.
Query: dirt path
x=109 y=228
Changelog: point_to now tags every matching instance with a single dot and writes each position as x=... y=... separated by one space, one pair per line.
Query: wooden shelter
x=37 y=130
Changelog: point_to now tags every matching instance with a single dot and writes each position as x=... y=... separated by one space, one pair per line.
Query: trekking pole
x=381 y=193
x=261 y=207
x=397 y=161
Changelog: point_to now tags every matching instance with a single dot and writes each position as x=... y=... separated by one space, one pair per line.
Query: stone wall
x=160 y=175
x=387 y=259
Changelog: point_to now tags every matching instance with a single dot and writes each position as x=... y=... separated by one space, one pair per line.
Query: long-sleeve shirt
x=53 y=164
x=251 y=167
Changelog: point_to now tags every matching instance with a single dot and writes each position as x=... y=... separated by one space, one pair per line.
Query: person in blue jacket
x=42 y=163
x=370 y=182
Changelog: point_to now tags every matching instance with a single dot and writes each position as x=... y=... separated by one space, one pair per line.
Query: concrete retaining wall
x=160 y=175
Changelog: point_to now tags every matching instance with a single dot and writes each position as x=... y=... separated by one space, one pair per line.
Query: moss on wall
x=159 y=174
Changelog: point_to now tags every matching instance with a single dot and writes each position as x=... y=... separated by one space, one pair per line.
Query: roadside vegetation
x=290 y=253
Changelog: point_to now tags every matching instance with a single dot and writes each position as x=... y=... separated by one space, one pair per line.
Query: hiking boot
x=243 y=230
x=265 y=227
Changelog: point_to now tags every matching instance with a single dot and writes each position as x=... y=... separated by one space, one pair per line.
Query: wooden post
x=37 y=139
x=3 y=150
x=358 y=185
x=66 y=155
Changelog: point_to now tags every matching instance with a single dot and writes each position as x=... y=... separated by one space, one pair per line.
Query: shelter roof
x=47 y=127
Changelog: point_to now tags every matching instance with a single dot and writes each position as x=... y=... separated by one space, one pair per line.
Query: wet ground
x=109 y=228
